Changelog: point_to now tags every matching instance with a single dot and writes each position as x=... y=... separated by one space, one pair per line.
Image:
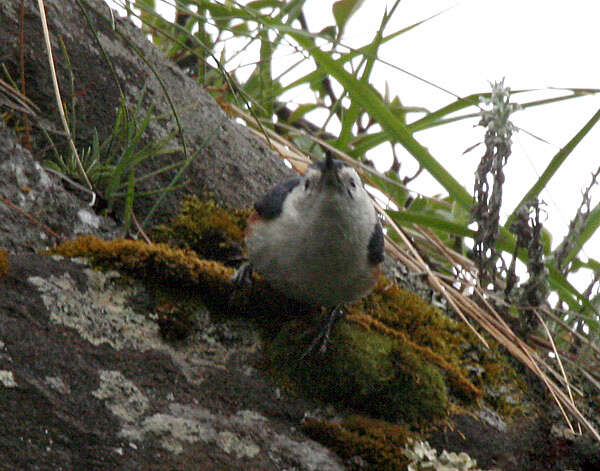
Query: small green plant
x=112 y=165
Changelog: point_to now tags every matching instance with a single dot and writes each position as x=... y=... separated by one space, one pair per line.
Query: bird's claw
x=242 y=278
x=323 y=337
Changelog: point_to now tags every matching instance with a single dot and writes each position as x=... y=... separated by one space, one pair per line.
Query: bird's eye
x=352 y=183
x=306 y=184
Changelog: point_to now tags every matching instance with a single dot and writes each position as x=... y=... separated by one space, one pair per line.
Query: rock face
x=87 y=382
x=228 y=162
x=25 y=184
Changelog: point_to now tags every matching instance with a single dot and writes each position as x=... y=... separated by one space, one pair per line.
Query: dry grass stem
x=59 y=101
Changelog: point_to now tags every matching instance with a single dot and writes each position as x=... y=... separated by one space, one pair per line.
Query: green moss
x=406 y=312
x=393 y=357
x=397 y=357
x=470 y=368
x=379 y=444
x=214 y=231
x=3 y=263
x=459 y=384
x=365 y=370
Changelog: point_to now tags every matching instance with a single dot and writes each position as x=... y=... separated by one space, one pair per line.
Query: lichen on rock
x=424 y=458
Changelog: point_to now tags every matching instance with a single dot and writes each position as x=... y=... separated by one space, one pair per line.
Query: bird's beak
x=329 y=176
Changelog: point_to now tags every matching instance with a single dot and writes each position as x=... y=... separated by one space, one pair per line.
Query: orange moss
x=170 y=269
x=156 y=263
x=394 y=356
x=402 y=310
x=3 y=263
x=398 y=357
x=379 y=444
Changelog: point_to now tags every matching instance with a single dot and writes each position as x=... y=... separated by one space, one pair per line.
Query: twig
x=558 y=360
x=11 y=205
x=70 y=180
x=140 y=229
x=59 y=104
x=572 y=331
x=27 y=139
x=433 y=280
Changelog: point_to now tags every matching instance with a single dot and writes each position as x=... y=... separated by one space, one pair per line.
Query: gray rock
x=38 y=202
x=98 y=388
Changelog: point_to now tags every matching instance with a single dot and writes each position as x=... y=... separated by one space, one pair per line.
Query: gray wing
x=270 y=205
x=376 y=245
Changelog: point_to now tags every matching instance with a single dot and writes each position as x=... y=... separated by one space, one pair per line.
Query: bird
x=317 y=239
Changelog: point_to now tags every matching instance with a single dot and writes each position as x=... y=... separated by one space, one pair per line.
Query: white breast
x=316 y=253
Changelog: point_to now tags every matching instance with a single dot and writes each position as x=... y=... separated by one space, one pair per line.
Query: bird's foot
x=323 y=337
x=242 y=278
x=242 y=281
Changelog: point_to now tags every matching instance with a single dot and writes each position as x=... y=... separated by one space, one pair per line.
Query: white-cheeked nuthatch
x=317 y=238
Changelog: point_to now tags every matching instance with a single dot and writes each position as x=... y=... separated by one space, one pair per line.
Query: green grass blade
x=436 y=118
x=318 y=74
x=129 y=200
x=370 y=57
x=343 y=11
x=433 y=222
x=568 y=293
x=397 y=131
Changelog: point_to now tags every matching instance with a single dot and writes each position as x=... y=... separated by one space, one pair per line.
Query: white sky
x=532 y=43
